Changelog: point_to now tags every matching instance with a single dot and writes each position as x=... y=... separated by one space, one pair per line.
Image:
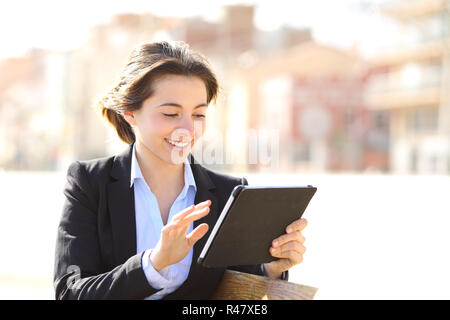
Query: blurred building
x=286 y=102
x=32 y=110
x=235 y=34
x=312 y=97
x=412 y=83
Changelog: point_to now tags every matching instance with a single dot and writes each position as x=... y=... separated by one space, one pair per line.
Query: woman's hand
x=174 y=244
x=289 y=248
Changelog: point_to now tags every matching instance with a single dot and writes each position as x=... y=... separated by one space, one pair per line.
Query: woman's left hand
x=288 y=248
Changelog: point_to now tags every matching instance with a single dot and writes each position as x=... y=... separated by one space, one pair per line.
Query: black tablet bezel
x=222 y=220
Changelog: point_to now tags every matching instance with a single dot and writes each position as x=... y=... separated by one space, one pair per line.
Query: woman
x=129 y=228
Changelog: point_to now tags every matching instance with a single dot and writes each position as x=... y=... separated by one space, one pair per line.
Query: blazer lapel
x=205 y=191
x=121 y=208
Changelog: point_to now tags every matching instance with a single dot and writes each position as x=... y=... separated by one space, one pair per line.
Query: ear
x=129 y=117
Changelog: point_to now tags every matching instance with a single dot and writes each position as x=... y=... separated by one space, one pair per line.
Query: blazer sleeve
x=257 y=269
x=79 y=272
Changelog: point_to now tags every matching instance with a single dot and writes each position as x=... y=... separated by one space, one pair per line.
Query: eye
x=173 y=115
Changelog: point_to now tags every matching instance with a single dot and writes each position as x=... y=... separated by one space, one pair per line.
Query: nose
x=187 y=124
x=184 y=131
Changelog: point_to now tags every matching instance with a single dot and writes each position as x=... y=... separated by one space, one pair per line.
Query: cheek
x=199 y=127
x=155 y=126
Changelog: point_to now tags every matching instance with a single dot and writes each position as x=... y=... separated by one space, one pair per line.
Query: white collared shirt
x=149 y=224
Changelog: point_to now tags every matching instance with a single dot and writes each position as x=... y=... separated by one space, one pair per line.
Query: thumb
x=197 y=234
x=282 y=264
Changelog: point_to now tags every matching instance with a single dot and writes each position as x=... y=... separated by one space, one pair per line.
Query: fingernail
x=289 y=229
x=201 y=203
x=275 y=242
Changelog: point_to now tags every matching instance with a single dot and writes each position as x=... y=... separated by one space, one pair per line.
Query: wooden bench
x=243 y=286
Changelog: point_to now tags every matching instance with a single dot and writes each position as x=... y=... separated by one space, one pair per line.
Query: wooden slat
x=243 y=286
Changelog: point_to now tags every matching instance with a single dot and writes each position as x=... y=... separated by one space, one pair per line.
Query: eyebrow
x=173 y=104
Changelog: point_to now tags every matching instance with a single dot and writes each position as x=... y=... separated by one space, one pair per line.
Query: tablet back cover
x=256 y=218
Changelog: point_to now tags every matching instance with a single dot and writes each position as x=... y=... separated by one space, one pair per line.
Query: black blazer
x=96 y=255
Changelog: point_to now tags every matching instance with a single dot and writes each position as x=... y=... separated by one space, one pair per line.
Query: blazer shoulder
x=93 y=170
x=221 y=179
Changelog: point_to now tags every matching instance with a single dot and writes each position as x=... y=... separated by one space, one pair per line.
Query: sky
x=63 y=25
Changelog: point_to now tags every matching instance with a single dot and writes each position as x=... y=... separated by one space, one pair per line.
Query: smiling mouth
x=179 y=144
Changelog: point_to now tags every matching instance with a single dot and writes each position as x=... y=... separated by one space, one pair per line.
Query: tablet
x=251 y=219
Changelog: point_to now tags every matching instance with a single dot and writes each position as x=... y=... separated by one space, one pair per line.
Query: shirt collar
x=136 y=173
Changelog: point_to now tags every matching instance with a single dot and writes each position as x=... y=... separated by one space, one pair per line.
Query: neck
x=158 y=173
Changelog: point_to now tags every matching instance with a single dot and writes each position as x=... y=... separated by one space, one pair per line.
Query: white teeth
x=178 y=144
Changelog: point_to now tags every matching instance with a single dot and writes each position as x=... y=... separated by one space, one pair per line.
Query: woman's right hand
x=174 y=244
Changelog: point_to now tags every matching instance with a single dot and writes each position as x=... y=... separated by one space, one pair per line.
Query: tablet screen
x=250 y=220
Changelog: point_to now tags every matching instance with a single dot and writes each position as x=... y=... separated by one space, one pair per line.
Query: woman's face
x=170 y=121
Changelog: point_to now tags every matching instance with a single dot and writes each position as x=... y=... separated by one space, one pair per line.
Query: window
x=422 y=120
x=423 y=30
x=302 y=153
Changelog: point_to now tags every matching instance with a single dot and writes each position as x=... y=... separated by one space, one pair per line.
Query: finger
x=183 y=213
x=285 y=238
x=297 y=225
x=283 y=264
x=203 y=204
x=190 y=209
x=292 y=255
x=290 y=246
x=182 y=225
x=197 y=234
x=196 y=215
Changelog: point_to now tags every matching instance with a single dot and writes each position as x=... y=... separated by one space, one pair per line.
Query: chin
x=177 y=158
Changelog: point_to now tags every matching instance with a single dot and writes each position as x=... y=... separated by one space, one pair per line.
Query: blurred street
x=369 y=236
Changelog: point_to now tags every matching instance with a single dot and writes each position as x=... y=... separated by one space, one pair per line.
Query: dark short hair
x=145 y=65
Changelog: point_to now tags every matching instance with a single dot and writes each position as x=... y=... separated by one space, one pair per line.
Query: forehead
x=174 y=87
